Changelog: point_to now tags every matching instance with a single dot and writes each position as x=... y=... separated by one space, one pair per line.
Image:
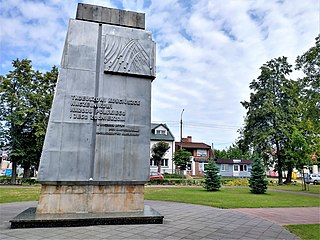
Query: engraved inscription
x=118 y=129
x=126 y=55
x=104 y=110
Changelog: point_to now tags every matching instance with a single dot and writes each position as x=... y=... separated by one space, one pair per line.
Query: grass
x=21 y=194
x=225 y=198
x=230 y=198
x=305 y=231
x=297 y=188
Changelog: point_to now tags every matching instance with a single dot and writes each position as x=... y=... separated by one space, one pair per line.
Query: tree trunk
x=159 y=167
x=14 y=173
x=279 y=165
x=181 y=172
x=280 y=175
x=26 y=172
x=289 y=175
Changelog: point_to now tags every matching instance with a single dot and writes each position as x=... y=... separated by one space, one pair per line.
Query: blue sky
x=208 y=51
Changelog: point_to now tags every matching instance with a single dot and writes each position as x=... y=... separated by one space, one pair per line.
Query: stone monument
x=96 y=153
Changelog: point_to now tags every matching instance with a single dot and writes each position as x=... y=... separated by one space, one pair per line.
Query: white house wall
x=168 y=155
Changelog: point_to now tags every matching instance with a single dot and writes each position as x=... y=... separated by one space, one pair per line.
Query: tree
x=158 y=151
x=309 y=63
x=232 y=152
x=299 y=151
x=257 y=181
x=212 y=181
x=181 y=159
x=272 y=113
x=25 y=100
x=220 y=153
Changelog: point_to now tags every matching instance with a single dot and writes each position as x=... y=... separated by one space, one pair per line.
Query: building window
x=224 y=167
x=151 y=162
x=161 y=132
x=243 y=168
x=164 y=163
x=201 y=153
x=236 y=168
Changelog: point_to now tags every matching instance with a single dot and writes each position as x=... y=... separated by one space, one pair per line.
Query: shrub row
x=190 y=182
x=199 y=182
x=7 y=180
x=172 y=175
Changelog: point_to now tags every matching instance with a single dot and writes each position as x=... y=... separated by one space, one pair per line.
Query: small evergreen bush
x=212 y=181
x=257 y=181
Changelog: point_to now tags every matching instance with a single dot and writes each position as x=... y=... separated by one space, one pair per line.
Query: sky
x=208 y=52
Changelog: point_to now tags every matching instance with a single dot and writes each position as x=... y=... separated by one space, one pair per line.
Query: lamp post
x=181 y=129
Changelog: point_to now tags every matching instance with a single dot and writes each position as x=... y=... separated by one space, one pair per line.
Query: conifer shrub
x=258 y=182
x=212 y=181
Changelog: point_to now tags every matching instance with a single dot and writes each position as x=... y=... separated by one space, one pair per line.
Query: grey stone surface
x=30 y=219
x=112 y=16
x=181 y=221
x=99 y=125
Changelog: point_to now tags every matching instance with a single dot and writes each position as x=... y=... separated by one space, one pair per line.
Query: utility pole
x=212 y=151
x=181 y=129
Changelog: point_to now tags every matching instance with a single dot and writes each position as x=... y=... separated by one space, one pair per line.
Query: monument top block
x=104 y=15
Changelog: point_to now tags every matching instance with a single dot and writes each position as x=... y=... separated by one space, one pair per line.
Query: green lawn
x=225 y=198
x=21 y=194
x=305 y=231
x=230 y=198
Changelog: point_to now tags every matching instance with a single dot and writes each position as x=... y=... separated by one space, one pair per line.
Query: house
x=201 y=152
x=234 y=167
x=161 y=132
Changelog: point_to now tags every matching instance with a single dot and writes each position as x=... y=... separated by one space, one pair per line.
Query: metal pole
x=181 y=129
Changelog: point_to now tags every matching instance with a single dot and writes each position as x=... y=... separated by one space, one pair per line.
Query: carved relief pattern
x=130 y=56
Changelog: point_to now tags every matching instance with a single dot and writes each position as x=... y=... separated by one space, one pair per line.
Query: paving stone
x=214 y=226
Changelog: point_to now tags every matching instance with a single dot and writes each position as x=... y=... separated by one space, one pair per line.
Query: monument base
x=31 y=219
x=56 y=199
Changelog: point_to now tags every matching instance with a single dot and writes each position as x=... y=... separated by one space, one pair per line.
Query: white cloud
x=207 y=51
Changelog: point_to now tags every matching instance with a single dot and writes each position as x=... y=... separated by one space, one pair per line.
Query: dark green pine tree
x=212 y=181
x=257 y=181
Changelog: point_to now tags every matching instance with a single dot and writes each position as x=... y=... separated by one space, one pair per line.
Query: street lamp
x=181 y=129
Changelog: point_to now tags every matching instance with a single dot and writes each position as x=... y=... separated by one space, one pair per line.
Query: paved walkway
x=285 y=216
x=292 y=192
x=182 y=221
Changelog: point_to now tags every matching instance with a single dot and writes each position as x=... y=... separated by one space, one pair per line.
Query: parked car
x=314 y=178
x=156 y=175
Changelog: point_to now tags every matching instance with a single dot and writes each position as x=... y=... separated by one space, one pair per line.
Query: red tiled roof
x=193 y=145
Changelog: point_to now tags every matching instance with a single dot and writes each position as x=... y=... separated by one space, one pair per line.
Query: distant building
x=201 y=152
x=234 y=167
x=161 y=132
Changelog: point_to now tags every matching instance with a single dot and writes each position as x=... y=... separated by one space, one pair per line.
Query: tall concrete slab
x=96 y=152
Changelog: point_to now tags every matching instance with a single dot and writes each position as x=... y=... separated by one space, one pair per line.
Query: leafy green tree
x=181 y=159
x=212 y=181
x=257 y=181
x=299 y=152
x=220 y=153
x=272 y=114
x=158 y=151
x=25 y=100
x=232 y=152
x=309 y=63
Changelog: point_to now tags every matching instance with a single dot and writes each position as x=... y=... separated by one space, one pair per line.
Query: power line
x=201 y=125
